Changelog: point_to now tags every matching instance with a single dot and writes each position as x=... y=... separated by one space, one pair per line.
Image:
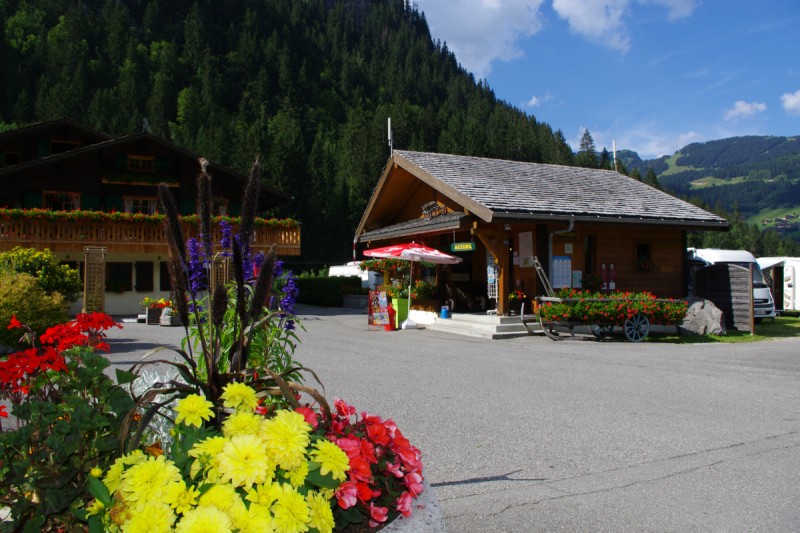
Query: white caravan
x=763 y=304
x=783 y=271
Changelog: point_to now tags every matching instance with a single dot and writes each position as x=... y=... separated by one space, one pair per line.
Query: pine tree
x=587 y=155
x=651 y=179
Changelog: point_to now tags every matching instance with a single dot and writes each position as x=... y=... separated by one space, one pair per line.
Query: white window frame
x=65 y=198
x=141 y=204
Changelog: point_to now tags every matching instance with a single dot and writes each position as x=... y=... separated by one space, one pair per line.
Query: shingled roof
x=494 y=188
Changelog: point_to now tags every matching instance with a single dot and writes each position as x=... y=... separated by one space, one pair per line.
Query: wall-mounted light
x=507 y=227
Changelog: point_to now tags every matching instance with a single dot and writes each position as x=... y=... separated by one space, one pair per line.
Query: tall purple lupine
x=290 y=292
x=226 y=239
x=197 y=273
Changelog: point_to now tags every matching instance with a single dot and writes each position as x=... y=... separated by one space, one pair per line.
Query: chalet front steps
x=481 y=325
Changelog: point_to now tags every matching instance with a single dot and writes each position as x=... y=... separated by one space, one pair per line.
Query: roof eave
x=708 y=225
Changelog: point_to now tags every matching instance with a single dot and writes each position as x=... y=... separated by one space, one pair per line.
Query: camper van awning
x=769 y=262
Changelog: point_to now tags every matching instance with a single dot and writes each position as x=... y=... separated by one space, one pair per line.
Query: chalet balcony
x=71 y=231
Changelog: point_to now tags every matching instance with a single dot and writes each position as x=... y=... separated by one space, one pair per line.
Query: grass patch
x=782 y=327
x=773 y=213
x=711 y=181
x=672 y=165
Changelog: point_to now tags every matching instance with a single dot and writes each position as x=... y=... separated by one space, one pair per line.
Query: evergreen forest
x=306 y=85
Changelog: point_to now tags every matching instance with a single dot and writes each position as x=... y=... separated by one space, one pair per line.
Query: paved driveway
x=530 y=434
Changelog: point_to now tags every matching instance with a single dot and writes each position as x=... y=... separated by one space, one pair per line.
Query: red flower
x=414 y=483
x=343 y=408
x=14 y=323
x=346 y=495
x=3 y=413
x=309 y=415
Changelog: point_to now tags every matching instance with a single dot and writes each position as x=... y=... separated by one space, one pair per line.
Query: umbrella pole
x=408 y=323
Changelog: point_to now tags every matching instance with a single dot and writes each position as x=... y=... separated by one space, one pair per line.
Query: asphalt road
x=530 y=434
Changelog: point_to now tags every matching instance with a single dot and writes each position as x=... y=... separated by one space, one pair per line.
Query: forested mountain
x=759 y=176
x=307 y=85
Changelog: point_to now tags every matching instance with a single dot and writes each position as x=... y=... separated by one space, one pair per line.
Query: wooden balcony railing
x=126 y=236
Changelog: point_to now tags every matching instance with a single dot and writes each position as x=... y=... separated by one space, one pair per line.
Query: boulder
x=702 y=318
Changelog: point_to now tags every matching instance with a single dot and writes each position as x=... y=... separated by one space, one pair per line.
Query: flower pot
x=514 y=307
x=153 y=315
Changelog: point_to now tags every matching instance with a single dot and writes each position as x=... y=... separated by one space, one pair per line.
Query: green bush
x=43 y=265
x=21 y=295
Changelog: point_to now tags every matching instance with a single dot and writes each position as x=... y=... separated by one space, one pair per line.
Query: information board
x=378 y=309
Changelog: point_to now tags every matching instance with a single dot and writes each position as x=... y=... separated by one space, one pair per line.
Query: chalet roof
x=494 y=188
x=53 y=125
x=448 y=221
x=271 y=197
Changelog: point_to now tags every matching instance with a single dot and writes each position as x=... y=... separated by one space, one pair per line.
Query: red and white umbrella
x=412 y=252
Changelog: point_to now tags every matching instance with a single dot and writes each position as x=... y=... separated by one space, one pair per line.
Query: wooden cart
x=635 y=327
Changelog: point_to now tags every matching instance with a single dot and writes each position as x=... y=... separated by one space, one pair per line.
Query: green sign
x=462 y=247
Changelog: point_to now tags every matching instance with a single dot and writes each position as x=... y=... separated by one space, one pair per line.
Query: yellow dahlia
x=297 y=476
x=320 y=514
x=286 y=436
x=290 y=512
x=256 y=519
x=264 y=494
x=206 y=452
x=240 y=397
x=158 y=519
x=180 y=497
x=244 y=461
x=204 y=520
x=242 y=423
x=331 y=459
x=193 y=410
x=145 y=483
x=223 y=497
x=114 y=474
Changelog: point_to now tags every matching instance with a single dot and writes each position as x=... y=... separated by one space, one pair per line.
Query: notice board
x=378 y=309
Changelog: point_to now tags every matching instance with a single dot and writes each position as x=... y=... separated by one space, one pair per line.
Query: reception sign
x=378 y=309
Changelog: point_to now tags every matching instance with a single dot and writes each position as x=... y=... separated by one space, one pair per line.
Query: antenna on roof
x=389 y=125
x=146 y=125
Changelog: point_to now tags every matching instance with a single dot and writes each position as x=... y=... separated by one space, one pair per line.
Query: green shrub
x=21 y=295
x=43 y=265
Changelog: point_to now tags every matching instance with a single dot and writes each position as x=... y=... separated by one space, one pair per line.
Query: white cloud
x=601 y=21
x=652 y=144
x=480 y=32
x=791 y=103
x=742 y=109
x=537 y=101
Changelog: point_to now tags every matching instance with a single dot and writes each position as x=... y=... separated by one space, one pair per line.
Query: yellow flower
x=264 y=494
x=180 y=497
x=244 y=461
x=193 y=409
x=290 y=512
x=114 y=474
x=223 y=497
x=240 y=397
x=96 y=472
x=204 y=520
x=205 y=452
x=256 y=519
x=158 y=519
x=320 y=514
x=286 y=437
x=297 y=476
x=242 y=423
x=96 y=507
x=144 y=484
x=331 y=459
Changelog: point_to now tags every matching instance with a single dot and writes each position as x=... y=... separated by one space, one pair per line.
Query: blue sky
x=654 y=75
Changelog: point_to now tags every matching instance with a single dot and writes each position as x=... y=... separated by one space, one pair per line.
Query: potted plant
x=153 y=309
x=515 y=300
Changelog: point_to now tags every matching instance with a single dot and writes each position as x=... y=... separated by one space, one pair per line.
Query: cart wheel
x=601 y=332
x=636 y=328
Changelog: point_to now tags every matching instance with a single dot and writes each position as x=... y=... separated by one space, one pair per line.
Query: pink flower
x=414 y=483
x=377 y=514
x=350 y=446
x=346 y=495
x=403 y=504
x=394 y=469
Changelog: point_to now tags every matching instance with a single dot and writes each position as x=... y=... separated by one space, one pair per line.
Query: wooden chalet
x=63 y=183
x=499 y=215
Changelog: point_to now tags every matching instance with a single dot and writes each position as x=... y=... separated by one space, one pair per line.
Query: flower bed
x=612 y=308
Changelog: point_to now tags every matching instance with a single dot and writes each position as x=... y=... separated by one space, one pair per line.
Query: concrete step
x=483 y=326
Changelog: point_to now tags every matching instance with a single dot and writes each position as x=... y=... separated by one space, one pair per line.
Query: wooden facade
x=62 y=166
x=591 y=222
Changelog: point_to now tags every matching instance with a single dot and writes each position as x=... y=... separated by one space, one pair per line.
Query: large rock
x=702 y=318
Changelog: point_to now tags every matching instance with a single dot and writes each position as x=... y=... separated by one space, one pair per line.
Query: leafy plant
x=613 y=308
x=22 y=296
x=43 y=265
x=68 y=414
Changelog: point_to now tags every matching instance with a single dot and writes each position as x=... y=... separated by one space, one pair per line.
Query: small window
x=119 y=277
x=10 y=158
x=644 y=262
x=61 y=201
x=144 y=276
x=163 y=283
x=141 y=204
x=141 y=163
